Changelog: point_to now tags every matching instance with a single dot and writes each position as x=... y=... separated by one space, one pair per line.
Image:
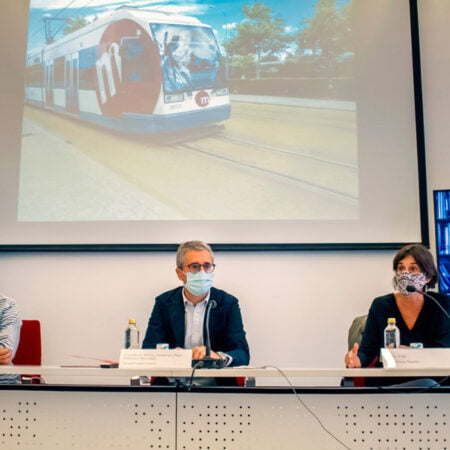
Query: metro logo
x=121 y=81
x=202 y=99
x=107 y=65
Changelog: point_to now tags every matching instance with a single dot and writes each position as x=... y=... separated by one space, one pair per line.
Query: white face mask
x=199 y=283
x=403 y=279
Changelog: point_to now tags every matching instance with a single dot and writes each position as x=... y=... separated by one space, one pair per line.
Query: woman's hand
x=351 y=358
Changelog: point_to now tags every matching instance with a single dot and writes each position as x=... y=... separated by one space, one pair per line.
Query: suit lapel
x=176 y=313
x=213 y=318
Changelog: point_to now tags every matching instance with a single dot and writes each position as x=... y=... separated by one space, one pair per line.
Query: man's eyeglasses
x=195 y=267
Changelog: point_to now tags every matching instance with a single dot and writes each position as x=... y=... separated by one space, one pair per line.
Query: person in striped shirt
x=10 y=323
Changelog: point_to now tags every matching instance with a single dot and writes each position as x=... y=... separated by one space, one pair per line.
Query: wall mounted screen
x=239 y=122
x=442 y=224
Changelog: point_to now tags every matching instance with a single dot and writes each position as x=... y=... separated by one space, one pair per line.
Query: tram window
x=135 y=61
x=87 y=69
x=59 y=72
x=34 y=75
x=87 y=78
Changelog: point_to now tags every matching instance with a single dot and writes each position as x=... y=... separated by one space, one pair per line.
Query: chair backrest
x=355 y=334
x=356 y=331
x=29 y=351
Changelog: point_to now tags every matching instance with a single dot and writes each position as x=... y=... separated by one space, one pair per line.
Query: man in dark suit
x=178 y=315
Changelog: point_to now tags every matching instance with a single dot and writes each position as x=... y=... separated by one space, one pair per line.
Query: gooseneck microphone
x=207 y=362
x=211 y=305
x=412 y=289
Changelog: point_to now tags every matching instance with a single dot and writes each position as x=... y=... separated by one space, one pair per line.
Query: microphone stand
x=412 y=289
x=207 y=362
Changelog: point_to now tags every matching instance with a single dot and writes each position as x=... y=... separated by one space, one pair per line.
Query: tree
x=241 y=65
x=326 y=35
x=74 y=24
x=260 y=34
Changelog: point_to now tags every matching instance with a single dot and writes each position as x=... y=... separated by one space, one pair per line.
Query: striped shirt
x=10 y=323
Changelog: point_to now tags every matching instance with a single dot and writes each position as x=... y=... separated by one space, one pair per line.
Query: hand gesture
x=351 y=358
x=5 y=355
x=200 y=352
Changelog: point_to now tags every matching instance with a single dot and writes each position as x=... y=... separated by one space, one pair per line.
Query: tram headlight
x=173 y=98
x=222 y=91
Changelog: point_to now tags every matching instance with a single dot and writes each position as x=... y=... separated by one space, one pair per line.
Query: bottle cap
x=416 y=345
x=391 y=320
x=131 y=321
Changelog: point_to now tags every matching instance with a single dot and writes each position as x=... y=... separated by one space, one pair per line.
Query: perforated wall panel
x=86 y=420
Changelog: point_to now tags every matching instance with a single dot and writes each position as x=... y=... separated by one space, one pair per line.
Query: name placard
x=415 y=358
x=150 y=358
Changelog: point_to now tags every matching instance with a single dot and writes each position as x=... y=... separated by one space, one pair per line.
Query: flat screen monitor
x=442 y=221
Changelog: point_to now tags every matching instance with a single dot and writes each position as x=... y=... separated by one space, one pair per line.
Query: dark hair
x=423 y=258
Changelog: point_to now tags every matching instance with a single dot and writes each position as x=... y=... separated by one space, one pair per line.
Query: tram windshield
x=190 y=58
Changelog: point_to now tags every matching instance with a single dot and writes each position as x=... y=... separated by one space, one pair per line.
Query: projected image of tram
x=136 y=71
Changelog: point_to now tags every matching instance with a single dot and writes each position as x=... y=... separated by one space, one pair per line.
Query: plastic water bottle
x=391 y=334
x=132 y=335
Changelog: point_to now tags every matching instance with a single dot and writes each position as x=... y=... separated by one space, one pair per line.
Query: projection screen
x=143 y=123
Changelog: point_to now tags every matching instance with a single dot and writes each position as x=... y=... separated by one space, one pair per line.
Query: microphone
x=411 y=288
x=207 y=362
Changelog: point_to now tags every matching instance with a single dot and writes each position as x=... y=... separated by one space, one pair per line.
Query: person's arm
x=228 y=340
x=156 y=330
x=5 y=355
x=235 y=342
x=10 y=324
x=441 y=336
x=362 y=355
x=351 y=359
x=372 y=338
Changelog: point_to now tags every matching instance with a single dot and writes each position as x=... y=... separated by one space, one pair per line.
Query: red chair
x=29 y=351
x=361 y=381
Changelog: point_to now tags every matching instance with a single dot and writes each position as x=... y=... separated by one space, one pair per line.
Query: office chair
x=29 y=351
x=356 y=330
x=355 y=334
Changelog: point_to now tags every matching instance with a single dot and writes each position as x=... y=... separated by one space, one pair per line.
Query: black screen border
x=277 y=247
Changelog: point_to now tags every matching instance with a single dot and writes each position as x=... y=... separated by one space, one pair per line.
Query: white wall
x=297 y=306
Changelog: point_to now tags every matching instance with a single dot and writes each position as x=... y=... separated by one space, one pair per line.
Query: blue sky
x=222 y=15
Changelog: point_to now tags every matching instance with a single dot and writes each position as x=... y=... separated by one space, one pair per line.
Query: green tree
x=325 y=36
x=241 y=65
x=259 y=35
x=74 y=24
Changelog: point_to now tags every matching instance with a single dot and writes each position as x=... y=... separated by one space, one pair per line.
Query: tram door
x=71 y=84
x=48 y=84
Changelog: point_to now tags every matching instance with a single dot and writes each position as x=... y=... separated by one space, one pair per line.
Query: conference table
x=82 y=412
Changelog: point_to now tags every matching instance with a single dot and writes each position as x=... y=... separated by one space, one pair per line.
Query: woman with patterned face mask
x=419 y=319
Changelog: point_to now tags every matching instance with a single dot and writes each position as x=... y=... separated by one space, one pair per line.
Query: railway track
x=236 y=152
x=251 y=172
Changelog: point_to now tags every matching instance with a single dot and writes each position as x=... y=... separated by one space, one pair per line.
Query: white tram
x=135 y=71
